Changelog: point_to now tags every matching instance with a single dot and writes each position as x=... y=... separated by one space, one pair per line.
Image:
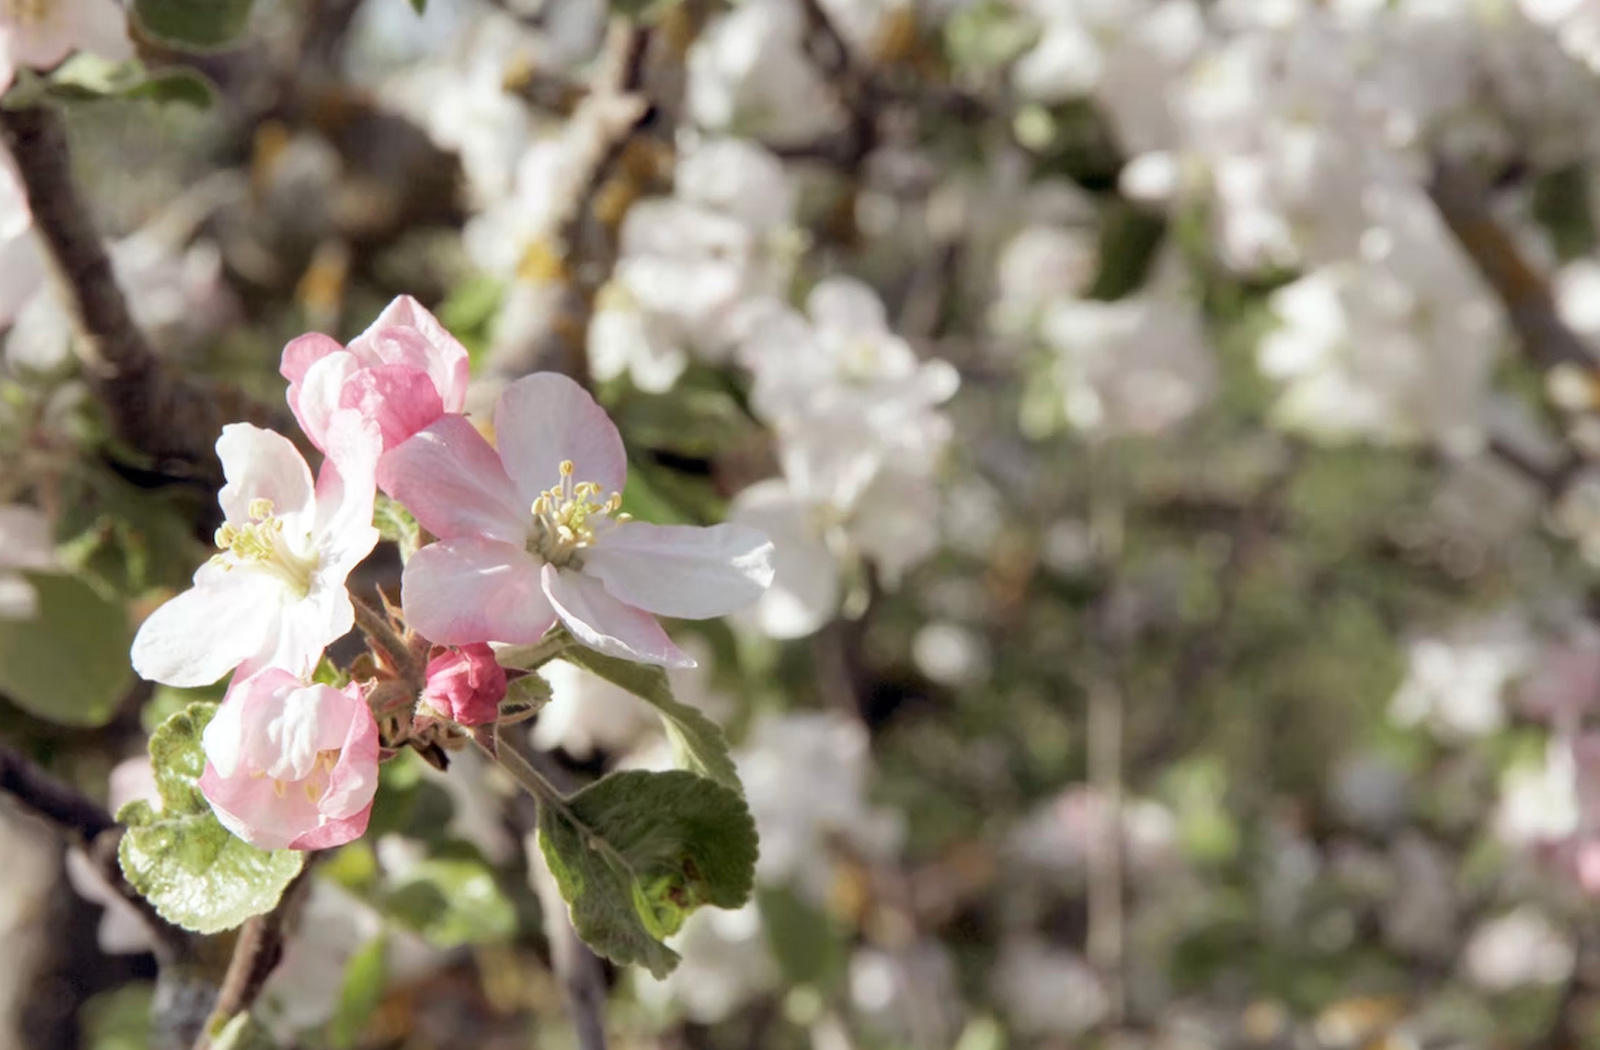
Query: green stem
x=532 y=657
x=523 y=773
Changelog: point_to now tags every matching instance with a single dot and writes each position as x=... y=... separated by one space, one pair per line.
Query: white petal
x=450 y=478
x=261 y=464
x=474 y=590
x=805 y=586
x=605 y=624
x=546 y=418
x=682 y=570
x=205 y=632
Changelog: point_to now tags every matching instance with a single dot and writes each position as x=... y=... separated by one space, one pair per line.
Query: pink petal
x=251 y=809
x=682 y=570
x=450 y=479
x=605 y=624
x=346 y=492
x=261 y=464
x=474 y=590
x=315 y=399
x=545 y=418
x=354 y=780
x=441 y=354
x=401 y=399
x=335 y=831
x=303 y=352
x=203 y=633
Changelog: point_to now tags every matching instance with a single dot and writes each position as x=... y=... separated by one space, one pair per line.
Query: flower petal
x=545 y=418
x=682 y=570
x=475 y=590
x=315 y=398
x=301 y=353
x=450 y=479
x=805 y=588
x=261 y=464
x=605 y=624
x=400 y=399
x=440 y=354
x=205 y=632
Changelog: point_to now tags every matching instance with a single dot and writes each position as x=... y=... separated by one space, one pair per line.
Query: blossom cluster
x=529 y=533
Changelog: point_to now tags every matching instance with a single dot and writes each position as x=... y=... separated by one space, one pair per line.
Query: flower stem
x=389 y=644
x=532 y=657
x=523 y=773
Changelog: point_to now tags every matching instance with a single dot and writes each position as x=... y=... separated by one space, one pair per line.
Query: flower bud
x=465 y=685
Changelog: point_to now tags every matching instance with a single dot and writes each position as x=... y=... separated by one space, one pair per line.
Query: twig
x=1463 y=202
x=87 y=822
x=170 y=418
x=255 y=955
x=580 y=971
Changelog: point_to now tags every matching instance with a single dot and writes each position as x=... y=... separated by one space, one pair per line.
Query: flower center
x=260 y=544
x=565 y=517
x=26 y=12
x=314 y=784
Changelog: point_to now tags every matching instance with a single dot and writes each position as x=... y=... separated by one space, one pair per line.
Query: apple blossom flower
x=290 y=764
x=528 y=535
x=25 y=545
x=274 y=595
x=40 y=33
x=465 y=685
x=403 y=372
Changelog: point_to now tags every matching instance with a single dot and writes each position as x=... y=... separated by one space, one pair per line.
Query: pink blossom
x=274 y=595
x=466 y=685
x=403 y=372
x=291 y=765
x=41 y=33
x=531 y=534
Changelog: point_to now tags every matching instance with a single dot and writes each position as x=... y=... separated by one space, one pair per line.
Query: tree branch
x=170 y=418
x=93 y=828
x=255 y=955
x=1463 y=203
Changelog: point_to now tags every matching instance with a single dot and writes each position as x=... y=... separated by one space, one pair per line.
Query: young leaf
x=364 y=978
x=697 y=741
x=395 y=523
x=68 y=662
x=635 y=853
x=194 y=871
x=198 y=24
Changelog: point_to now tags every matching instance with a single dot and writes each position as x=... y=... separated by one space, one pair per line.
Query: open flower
x=274 y=595
x=531 y=534
x=291 y=765
x=404 y=372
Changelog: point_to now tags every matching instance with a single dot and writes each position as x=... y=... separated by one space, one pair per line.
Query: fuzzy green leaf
x=636 y=852
x=194 y=871
x=69 y=662
x=697 y=741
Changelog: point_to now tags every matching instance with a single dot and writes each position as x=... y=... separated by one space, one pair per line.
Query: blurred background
x=1179 y=422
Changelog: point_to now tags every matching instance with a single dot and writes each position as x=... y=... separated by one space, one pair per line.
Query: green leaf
x=180 y=85
x=194 y=24
x=395 y=524
x=89 y=77
x=697 y=741
x=635 y=853
x=419 y=6
x=194 y=871
x=691 y=421
x=364 y=978
x=451 y=901
x=807 y=942
x=69 y=662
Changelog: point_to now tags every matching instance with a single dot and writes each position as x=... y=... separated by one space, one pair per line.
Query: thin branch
x=1463 y=202
x=170 y=418
x=89 y=824
x=580 y=971
x=256 y=954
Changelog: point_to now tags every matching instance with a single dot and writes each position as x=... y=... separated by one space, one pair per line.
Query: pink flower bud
x=291 y=765
x=465 y=685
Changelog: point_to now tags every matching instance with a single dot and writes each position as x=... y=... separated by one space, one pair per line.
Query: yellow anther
x=277 y=787
x=567 y=468
x=260 y=509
